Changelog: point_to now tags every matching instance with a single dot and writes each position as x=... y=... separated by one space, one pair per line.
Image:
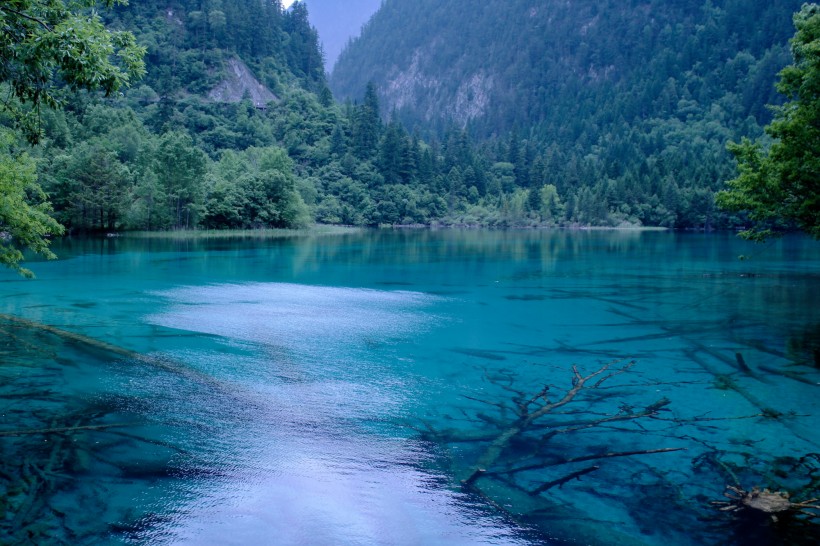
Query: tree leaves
x=780 y=187
x=24 y=211
x=46 y=43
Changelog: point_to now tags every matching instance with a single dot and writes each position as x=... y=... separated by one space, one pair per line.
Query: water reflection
x=326 y=491
x=321 y=459
x=317 y=389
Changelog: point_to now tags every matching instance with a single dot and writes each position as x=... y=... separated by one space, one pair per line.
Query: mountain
x=338 y=23
x=157 y=156
x=489 y=113
x=190 y=43
x=233 y=126
x=494 y=65
x=623 y=107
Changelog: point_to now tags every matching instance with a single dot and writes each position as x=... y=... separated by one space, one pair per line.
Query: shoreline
x=329 y=229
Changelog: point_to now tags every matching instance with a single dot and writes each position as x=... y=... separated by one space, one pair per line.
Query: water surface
x=347 y=388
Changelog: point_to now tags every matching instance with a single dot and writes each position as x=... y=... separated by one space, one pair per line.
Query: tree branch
x=493 y=451
x=29 y=17
x=561 y=481
x=609 y=455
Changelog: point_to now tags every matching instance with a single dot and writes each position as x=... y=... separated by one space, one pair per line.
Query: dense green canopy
x=24 y=211
x=780 y=186
x=45 y=45
x=48 y=42
x=624 y=106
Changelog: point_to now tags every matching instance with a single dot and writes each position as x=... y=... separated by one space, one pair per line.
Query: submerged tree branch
x=579 y=383
x=561 y=481
x=609 y=455
x=62 y=429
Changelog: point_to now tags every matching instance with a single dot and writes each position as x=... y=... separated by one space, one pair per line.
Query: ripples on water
x=310 y=462
x=319 y=391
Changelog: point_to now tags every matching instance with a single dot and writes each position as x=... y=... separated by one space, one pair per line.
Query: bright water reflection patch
x=316 y=456
x=293 y=315
x=333 y=491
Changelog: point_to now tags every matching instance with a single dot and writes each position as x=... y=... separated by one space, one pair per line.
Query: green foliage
x=303 y=52
x=781 y=186
x=570 y=142
x=92 y=187
x=180 y=169
x=625 y=107
x=47 y=45
x=550 y=205
x=190 y=41
x=367 y=124
x=48 y=41
x=24 y=211
x=755 y=189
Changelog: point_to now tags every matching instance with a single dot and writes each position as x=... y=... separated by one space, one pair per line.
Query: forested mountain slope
x=155 y=156
x=559 y=65
x=233 y=126
x=582 y=113
x=189 y=41
x=625 y=106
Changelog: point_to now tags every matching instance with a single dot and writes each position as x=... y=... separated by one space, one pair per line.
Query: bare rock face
x=415 y=87
x=240 y=83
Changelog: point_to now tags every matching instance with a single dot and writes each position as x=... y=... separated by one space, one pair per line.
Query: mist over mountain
x=338 y=22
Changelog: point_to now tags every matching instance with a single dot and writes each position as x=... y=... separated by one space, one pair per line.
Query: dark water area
x=411 y=387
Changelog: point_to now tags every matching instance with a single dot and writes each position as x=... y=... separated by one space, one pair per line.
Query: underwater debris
x=765 y=503
x=530 y=451
x=530 y=410
x=520 y=449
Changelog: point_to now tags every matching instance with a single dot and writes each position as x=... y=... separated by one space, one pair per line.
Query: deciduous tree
x=45 y=44
x=781 y=185
x=24 y=218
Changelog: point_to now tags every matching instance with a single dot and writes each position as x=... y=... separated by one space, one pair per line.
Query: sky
x=287 y=3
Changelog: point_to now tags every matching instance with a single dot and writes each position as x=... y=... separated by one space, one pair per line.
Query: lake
x=410 y=387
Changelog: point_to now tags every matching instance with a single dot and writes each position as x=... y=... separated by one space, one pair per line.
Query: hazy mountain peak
x=338 y=22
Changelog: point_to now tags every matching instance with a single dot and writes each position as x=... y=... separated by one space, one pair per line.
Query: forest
x=625 y=107
x=641 y=144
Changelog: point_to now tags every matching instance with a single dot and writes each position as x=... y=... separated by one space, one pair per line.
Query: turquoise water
x=347 y=388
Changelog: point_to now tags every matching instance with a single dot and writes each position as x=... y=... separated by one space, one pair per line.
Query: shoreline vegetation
x=168 y=157
x=321 y=230
x=230 y=233
x=325 y=230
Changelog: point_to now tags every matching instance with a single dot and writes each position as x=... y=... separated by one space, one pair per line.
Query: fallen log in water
x=795 y=376
x=585 y=458
x=56 y=430
x=158 y=362
x=61 y=439
x=561 y=481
